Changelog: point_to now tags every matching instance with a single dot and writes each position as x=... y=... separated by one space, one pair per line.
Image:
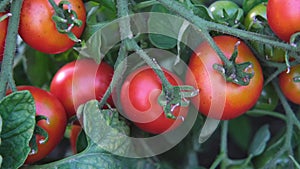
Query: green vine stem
x=172 y=96
x=3 y=4
x=291 y=120
x=6 y=75
x=222 y=158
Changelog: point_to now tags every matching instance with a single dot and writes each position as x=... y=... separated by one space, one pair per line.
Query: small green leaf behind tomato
x=268 y=99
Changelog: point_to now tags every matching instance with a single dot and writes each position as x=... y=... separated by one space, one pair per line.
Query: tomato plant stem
x=290 y=122
x=208 y=26
x=6 y=75
x=223 y=147
x=266 y=112
x=3 y=4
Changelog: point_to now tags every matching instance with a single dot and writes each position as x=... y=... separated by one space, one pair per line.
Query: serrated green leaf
x=18 y=113
x=105 y=136
x=104 y=128
x=163 y=30
x=202 y=11
x=37 y=67
x=260 y=140
x=88 y=159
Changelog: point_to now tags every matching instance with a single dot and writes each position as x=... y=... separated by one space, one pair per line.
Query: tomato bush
x=212 y=84
x=80 y=81
x=139 y=99
x=284 y=24
x=37 y=26
x=223 y=59
x=55 y=124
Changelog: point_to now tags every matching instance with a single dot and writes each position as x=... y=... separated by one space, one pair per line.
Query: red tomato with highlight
x=3 y=32
x=217 y=98
x=139 y=100
x=283 y=17
x=38 y=29
x=49 y=106
x=80 y=81
x=289 y=87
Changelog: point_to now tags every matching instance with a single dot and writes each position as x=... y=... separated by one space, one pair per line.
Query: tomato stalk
x=6 y=75
x=172 y=96
x=3 y=4
x=65 y=19
x=291 y=121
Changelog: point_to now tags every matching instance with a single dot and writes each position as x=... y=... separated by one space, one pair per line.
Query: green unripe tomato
x=226 y=12
x=256 y=18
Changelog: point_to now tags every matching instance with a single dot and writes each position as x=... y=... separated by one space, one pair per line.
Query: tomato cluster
x=216 y=75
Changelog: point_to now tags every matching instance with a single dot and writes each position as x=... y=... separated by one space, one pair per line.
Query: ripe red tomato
x=283 y=17
x=3 y=31
x=214 y=90
x=80 y=81
x=38 y=29
x=49 y=106
x=289 y=87
x=139 y=100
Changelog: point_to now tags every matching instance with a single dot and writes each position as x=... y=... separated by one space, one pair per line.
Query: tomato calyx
x=38 y=131
x=65 y=19
x=175 y=96
x=234 y=72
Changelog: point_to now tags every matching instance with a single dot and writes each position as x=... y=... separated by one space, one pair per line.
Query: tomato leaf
x=105 y=128
x=249 y=4
x=260 y=140
x=240 y=131
x=105 y=137
x=163 y=30
x=18 y=113
x=37 y=67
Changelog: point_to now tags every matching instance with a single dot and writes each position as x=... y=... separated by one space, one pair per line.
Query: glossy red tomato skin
x=38 y=29
x=289 y=87
x=225 y=100
x=3 y=32
x=49 y=106
x=80 y=81
x=139 y=100
x=283 y=17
